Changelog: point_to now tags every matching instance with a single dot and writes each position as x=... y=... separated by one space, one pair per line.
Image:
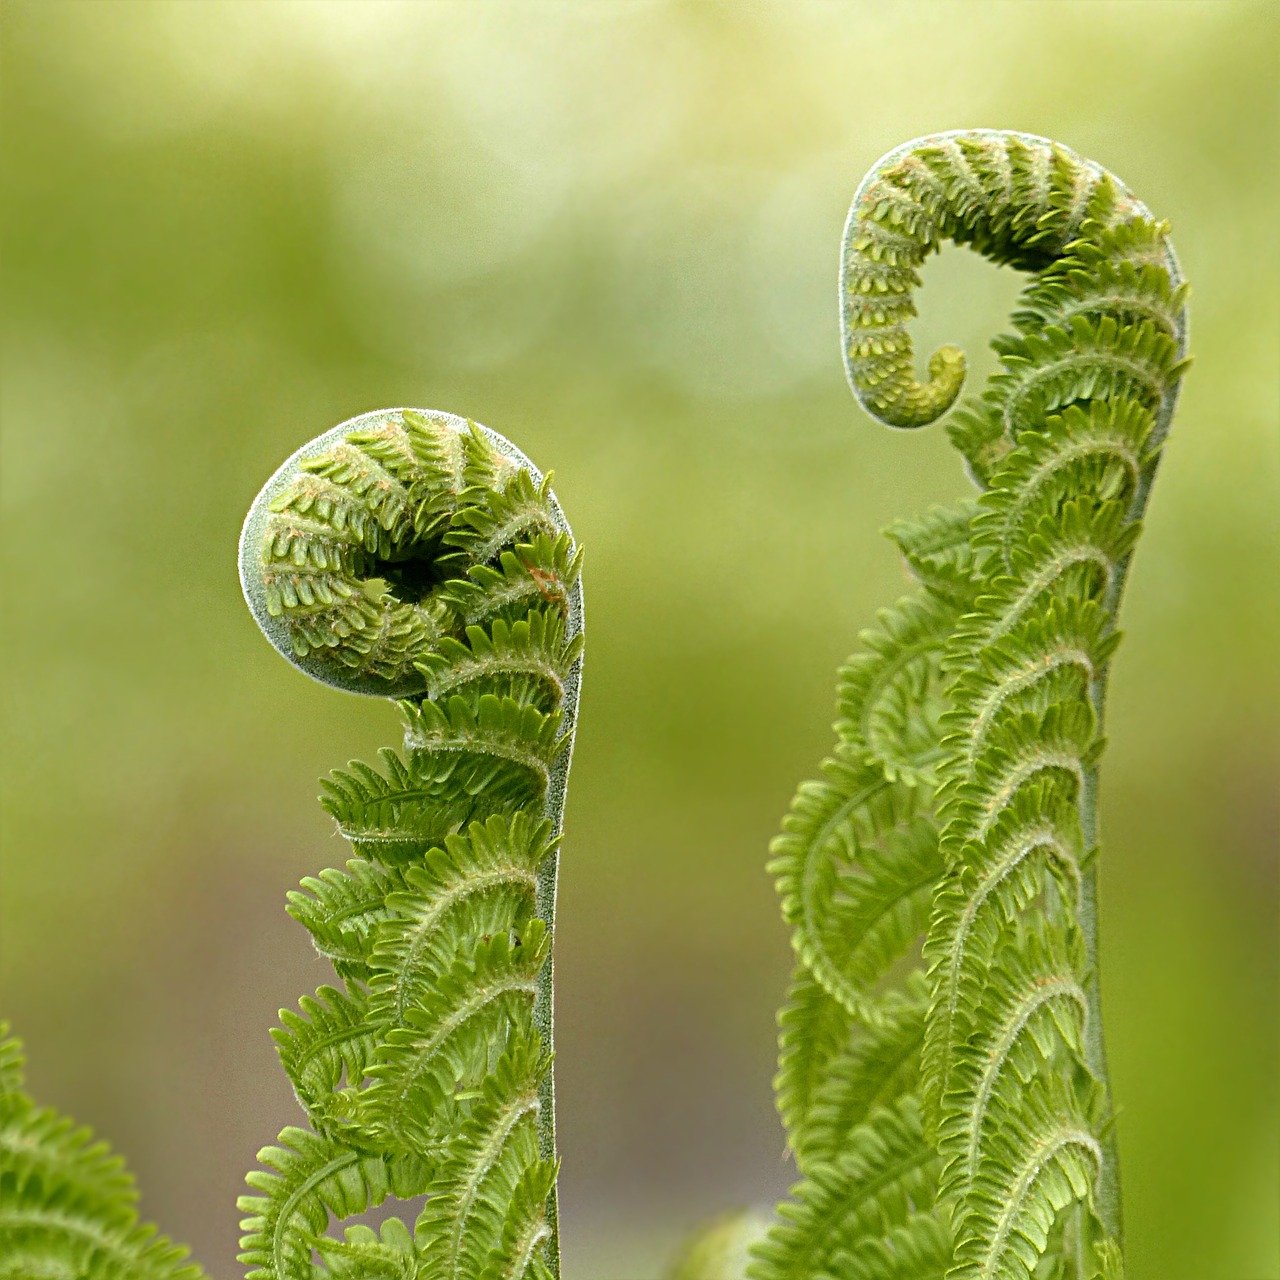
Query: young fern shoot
x=942 y=1077
x=413 y=555
x=951 y=1117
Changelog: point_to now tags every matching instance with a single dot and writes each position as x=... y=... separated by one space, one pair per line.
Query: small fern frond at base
x=721 y=1248
x=67 y=1205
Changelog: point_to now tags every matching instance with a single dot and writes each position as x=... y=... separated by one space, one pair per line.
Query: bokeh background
x=609 y=230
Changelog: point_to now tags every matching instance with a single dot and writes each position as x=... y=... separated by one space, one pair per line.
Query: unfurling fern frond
x=957 y=811
x=67 y=1205
x=422 y=558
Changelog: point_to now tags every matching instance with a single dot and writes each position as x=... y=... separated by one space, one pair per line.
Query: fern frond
x=342 y=910
x=1042 y=1160
x=987 y=698
x=1116 y=271
x=871 y=1188
x=1051 y=658
x=544 y=570
x=313 y=1180
x=1103 y=451
x=482 y=1190
x=873 y=1069
x=527 y=1232
x=720 y=1249
x=1108 y=1261
x=12 y=1072
x=396 y=816
x=420 y=557
x=496 y=729
x=478 y=885
x=813 y=1027
x=332 y=1039
x=890 y=694
x=855 y=867
x=939 y=552
x=1031 y=1019
x=1036 y=836
x=450 y=1040
x=67 y=1205
x=45 y=1233
x=919 y=1249
x=1056 y=747
x=368 y=1255
x=518 y=513
x=38 y=1142
x=1089 y=359
x=528 y=660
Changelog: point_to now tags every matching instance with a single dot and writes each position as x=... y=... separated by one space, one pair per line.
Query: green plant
x=416 y=555
x=948 y=1109
x=67 y=1206
x=411 y=555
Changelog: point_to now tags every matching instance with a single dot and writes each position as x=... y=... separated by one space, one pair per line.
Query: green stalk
x=548 y=883
x=544 y=1022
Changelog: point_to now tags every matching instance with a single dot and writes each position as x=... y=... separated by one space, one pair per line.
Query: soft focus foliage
x=609 y=231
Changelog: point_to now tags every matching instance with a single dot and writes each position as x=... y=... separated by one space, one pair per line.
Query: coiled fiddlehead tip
x=884 y=243
x=349 y=550
x=1016 y=198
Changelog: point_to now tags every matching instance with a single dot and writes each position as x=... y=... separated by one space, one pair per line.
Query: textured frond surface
x=951 y=1118
x=412 y=555
x=872 y=1188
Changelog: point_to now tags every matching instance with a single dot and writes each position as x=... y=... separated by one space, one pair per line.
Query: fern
x=67 y=1205
x=942 y=1078
x=419 y=557
x=951 y=1117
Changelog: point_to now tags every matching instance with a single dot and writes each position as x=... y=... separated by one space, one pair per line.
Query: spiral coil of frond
x=416 y=556
x=959 y=804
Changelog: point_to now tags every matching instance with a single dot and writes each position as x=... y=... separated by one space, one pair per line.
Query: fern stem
x=544 y=1023
x=548 y=888
x=1107 y=1193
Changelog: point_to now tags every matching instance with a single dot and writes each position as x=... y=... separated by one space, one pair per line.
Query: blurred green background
x=610 y=231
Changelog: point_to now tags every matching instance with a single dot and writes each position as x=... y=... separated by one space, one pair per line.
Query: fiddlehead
x=955 y=1121
x=416 y=556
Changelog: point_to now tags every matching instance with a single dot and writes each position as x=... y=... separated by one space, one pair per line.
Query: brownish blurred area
x=608 y=230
